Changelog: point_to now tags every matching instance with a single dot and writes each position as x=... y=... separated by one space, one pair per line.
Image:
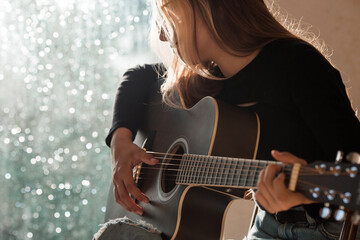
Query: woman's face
x=167 y=35
x=203 y=39
x=204 y=42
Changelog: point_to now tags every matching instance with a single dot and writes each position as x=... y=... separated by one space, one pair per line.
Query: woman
x=238 y=52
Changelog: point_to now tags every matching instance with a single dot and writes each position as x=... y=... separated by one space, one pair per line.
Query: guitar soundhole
x=170 y=168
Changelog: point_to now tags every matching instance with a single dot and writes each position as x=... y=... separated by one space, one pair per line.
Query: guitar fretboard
x=219 y=171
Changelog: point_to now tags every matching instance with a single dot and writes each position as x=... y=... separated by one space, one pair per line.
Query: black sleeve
x=322 y=101
x=131 y=95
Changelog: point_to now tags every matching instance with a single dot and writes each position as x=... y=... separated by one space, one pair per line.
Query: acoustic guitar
x=206 y=161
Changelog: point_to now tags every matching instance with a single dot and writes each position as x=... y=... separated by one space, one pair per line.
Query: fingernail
x=139 y=212
x=281 y=175
x=275 y=152
x=145 y=200
x=153 y=159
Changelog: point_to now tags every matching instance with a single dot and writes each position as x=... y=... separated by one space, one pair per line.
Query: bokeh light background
x=60 y=62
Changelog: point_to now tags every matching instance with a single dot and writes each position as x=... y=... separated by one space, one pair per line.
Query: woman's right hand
x=125 y=156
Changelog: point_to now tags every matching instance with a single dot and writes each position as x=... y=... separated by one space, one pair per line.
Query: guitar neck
x=220 y=171
x=320 y=181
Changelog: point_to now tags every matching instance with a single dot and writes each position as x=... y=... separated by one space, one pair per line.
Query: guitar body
x=209 y=128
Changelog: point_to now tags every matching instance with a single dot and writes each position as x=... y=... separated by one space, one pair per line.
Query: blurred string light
x=59 y=68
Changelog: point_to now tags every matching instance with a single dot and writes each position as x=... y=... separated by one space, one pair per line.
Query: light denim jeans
x=126 y=229
x=265 y=227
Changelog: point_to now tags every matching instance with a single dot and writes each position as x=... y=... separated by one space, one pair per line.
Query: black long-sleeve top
x=298 y=95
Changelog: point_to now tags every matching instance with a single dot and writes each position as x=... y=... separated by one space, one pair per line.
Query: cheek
x=174 y=45
x=202 y=46
x=178 y=52
x=203 y=41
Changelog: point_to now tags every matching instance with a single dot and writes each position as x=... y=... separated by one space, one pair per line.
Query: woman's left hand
x=272 y=194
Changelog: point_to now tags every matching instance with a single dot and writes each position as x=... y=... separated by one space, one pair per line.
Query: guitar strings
x=233 y=173
x=253 y=170
x=248 y=165
x=249 y=173
x=300 y=184
x=170 y=155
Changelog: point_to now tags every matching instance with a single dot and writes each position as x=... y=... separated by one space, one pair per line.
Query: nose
x=162 y=35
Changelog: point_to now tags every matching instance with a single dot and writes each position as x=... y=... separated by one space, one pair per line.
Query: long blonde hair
x=239 y=27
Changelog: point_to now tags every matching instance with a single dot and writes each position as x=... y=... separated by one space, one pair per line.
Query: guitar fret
x=188 y=169
x=230 y=174
x=234 y=172
x=254 y=173
x=205 y=169
x=200 y=170
x=244 y=173
x=250 y=174
x=226 y=172
x=218 y=171
x=195 y=170
x=184 y=162
x=212 y=174
x=223 y=172
x=181 y=170
x=262 y=165
x=213 y=168
x=239 y=172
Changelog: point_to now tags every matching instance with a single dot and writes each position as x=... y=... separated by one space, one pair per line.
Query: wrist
x=121 y=135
